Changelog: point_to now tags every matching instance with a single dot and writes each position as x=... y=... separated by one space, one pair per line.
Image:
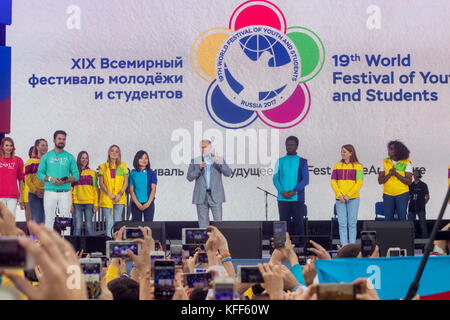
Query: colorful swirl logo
x=258 y=68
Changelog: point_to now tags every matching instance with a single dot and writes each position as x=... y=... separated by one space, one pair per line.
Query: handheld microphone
x=203 y=157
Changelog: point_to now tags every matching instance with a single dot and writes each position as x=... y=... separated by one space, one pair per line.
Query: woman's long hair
x=4 y=140
x=139 y=155
x=35 y=153
x=119 y=160
x=79 y=165
x=350 y=148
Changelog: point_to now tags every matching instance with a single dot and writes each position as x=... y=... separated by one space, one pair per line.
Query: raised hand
x=62 y=278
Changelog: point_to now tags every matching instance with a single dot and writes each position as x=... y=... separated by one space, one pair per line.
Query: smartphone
x=158 y=245
x=118 y=249
x=368 y=242
x=176 y=254
x=300 y=246
x=306 y=246
x=249 y=274
x=198 y=280
x=443 y=235
x=91 y=268
x=132 y=233
x=101 y=256
x=155 y=255
x=202 y=257
x=13 y=255
x=164 y=279
x=396 y=252
x=92 y=271
x=194 y=235
x=302 y=260
x=224 y=289
x=338 y=291
x=190 y=249
x=279 y=233
x=31 y=275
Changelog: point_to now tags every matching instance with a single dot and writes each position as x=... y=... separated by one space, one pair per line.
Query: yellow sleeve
x=112 y=273
x=95 y=196
x=101 y=170
x=33 y=183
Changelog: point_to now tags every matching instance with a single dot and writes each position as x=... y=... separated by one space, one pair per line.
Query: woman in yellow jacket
x=113 y=180
x=36 y=186
x=26 y=190
x=84 y=196
x=396 y=176
x=346 y=181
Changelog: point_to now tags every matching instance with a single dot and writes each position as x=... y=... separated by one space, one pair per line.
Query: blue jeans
x=112 y=215
x=347 y=217
x=398 y=204
x=36 y=208
x=88 y=211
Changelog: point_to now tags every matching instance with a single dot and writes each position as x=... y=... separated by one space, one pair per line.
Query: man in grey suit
x=207 y=172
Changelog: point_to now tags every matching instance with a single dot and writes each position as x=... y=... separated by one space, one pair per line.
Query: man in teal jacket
x=290 y=178
x=58 y=169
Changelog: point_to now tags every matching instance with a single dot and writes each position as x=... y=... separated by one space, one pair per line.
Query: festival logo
x=258 y=68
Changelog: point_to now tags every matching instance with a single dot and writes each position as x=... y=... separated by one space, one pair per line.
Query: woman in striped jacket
x=346 y=181
x=84 y=196
x=36 y=186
